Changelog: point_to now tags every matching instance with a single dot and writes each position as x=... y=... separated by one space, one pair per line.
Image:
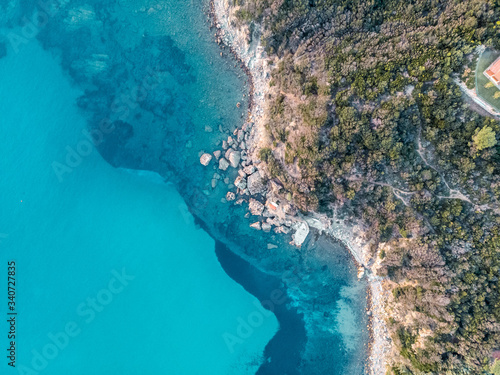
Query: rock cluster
x=265 y=195
x=267 y=199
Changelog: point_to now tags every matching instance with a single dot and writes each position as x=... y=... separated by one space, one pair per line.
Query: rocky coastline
x=266 y=197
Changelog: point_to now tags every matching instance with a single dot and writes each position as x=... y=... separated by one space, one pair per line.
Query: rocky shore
x=268 y=203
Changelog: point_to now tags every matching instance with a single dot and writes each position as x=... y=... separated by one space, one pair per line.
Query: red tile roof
x=493 y=71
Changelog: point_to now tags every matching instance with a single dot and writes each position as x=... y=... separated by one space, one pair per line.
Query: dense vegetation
x=365 y=118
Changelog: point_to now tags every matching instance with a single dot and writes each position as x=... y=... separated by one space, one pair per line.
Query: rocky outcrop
x=255 y=183
x=301 y=232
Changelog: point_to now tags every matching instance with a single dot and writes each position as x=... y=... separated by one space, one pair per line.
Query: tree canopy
x=485 y=138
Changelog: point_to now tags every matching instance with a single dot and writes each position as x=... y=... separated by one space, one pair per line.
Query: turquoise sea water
x=146 y=82
x=171 y=304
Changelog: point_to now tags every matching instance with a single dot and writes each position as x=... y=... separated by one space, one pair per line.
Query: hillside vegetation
x=365 y=118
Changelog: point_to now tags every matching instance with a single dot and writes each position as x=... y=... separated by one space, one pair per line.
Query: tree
x=495 y=369
x=484 y=138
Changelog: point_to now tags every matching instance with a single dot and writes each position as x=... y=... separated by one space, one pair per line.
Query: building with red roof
x=493 y=72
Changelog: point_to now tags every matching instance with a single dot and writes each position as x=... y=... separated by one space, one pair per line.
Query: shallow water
x=172 y=301
x=150 y=83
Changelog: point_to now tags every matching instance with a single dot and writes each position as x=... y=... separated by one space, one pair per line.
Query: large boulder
x=223 y=164
x=255 y=183
x=266 y=227
x=249 y=169
x=255 y=207
x=205 y=159
x=301 y=232
x=255 y=225
x=234 y=157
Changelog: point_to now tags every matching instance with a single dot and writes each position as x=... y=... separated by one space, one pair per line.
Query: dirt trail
x=405 y=195
x=454 y=193
x=397 y=192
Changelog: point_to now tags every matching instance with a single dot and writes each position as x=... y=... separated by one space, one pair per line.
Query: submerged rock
x=223 y=164
x=266 y=227
x=217 y=154
x=361 y=272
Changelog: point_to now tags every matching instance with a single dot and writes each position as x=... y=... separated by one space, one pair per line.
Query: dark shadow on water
x=283 y=353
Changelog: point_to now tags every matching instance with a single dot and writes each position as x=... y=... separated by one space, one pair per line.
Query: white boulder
x=301 y=232
x=205 y=159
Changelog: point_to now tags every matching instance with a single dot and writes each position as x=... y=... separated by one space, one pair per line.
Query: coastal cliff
x=245 y=43
x=358 y=130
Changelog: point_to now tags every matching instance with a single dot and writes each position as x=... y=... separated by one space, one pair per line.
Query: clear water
x=78 y=224
x=70 y=238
